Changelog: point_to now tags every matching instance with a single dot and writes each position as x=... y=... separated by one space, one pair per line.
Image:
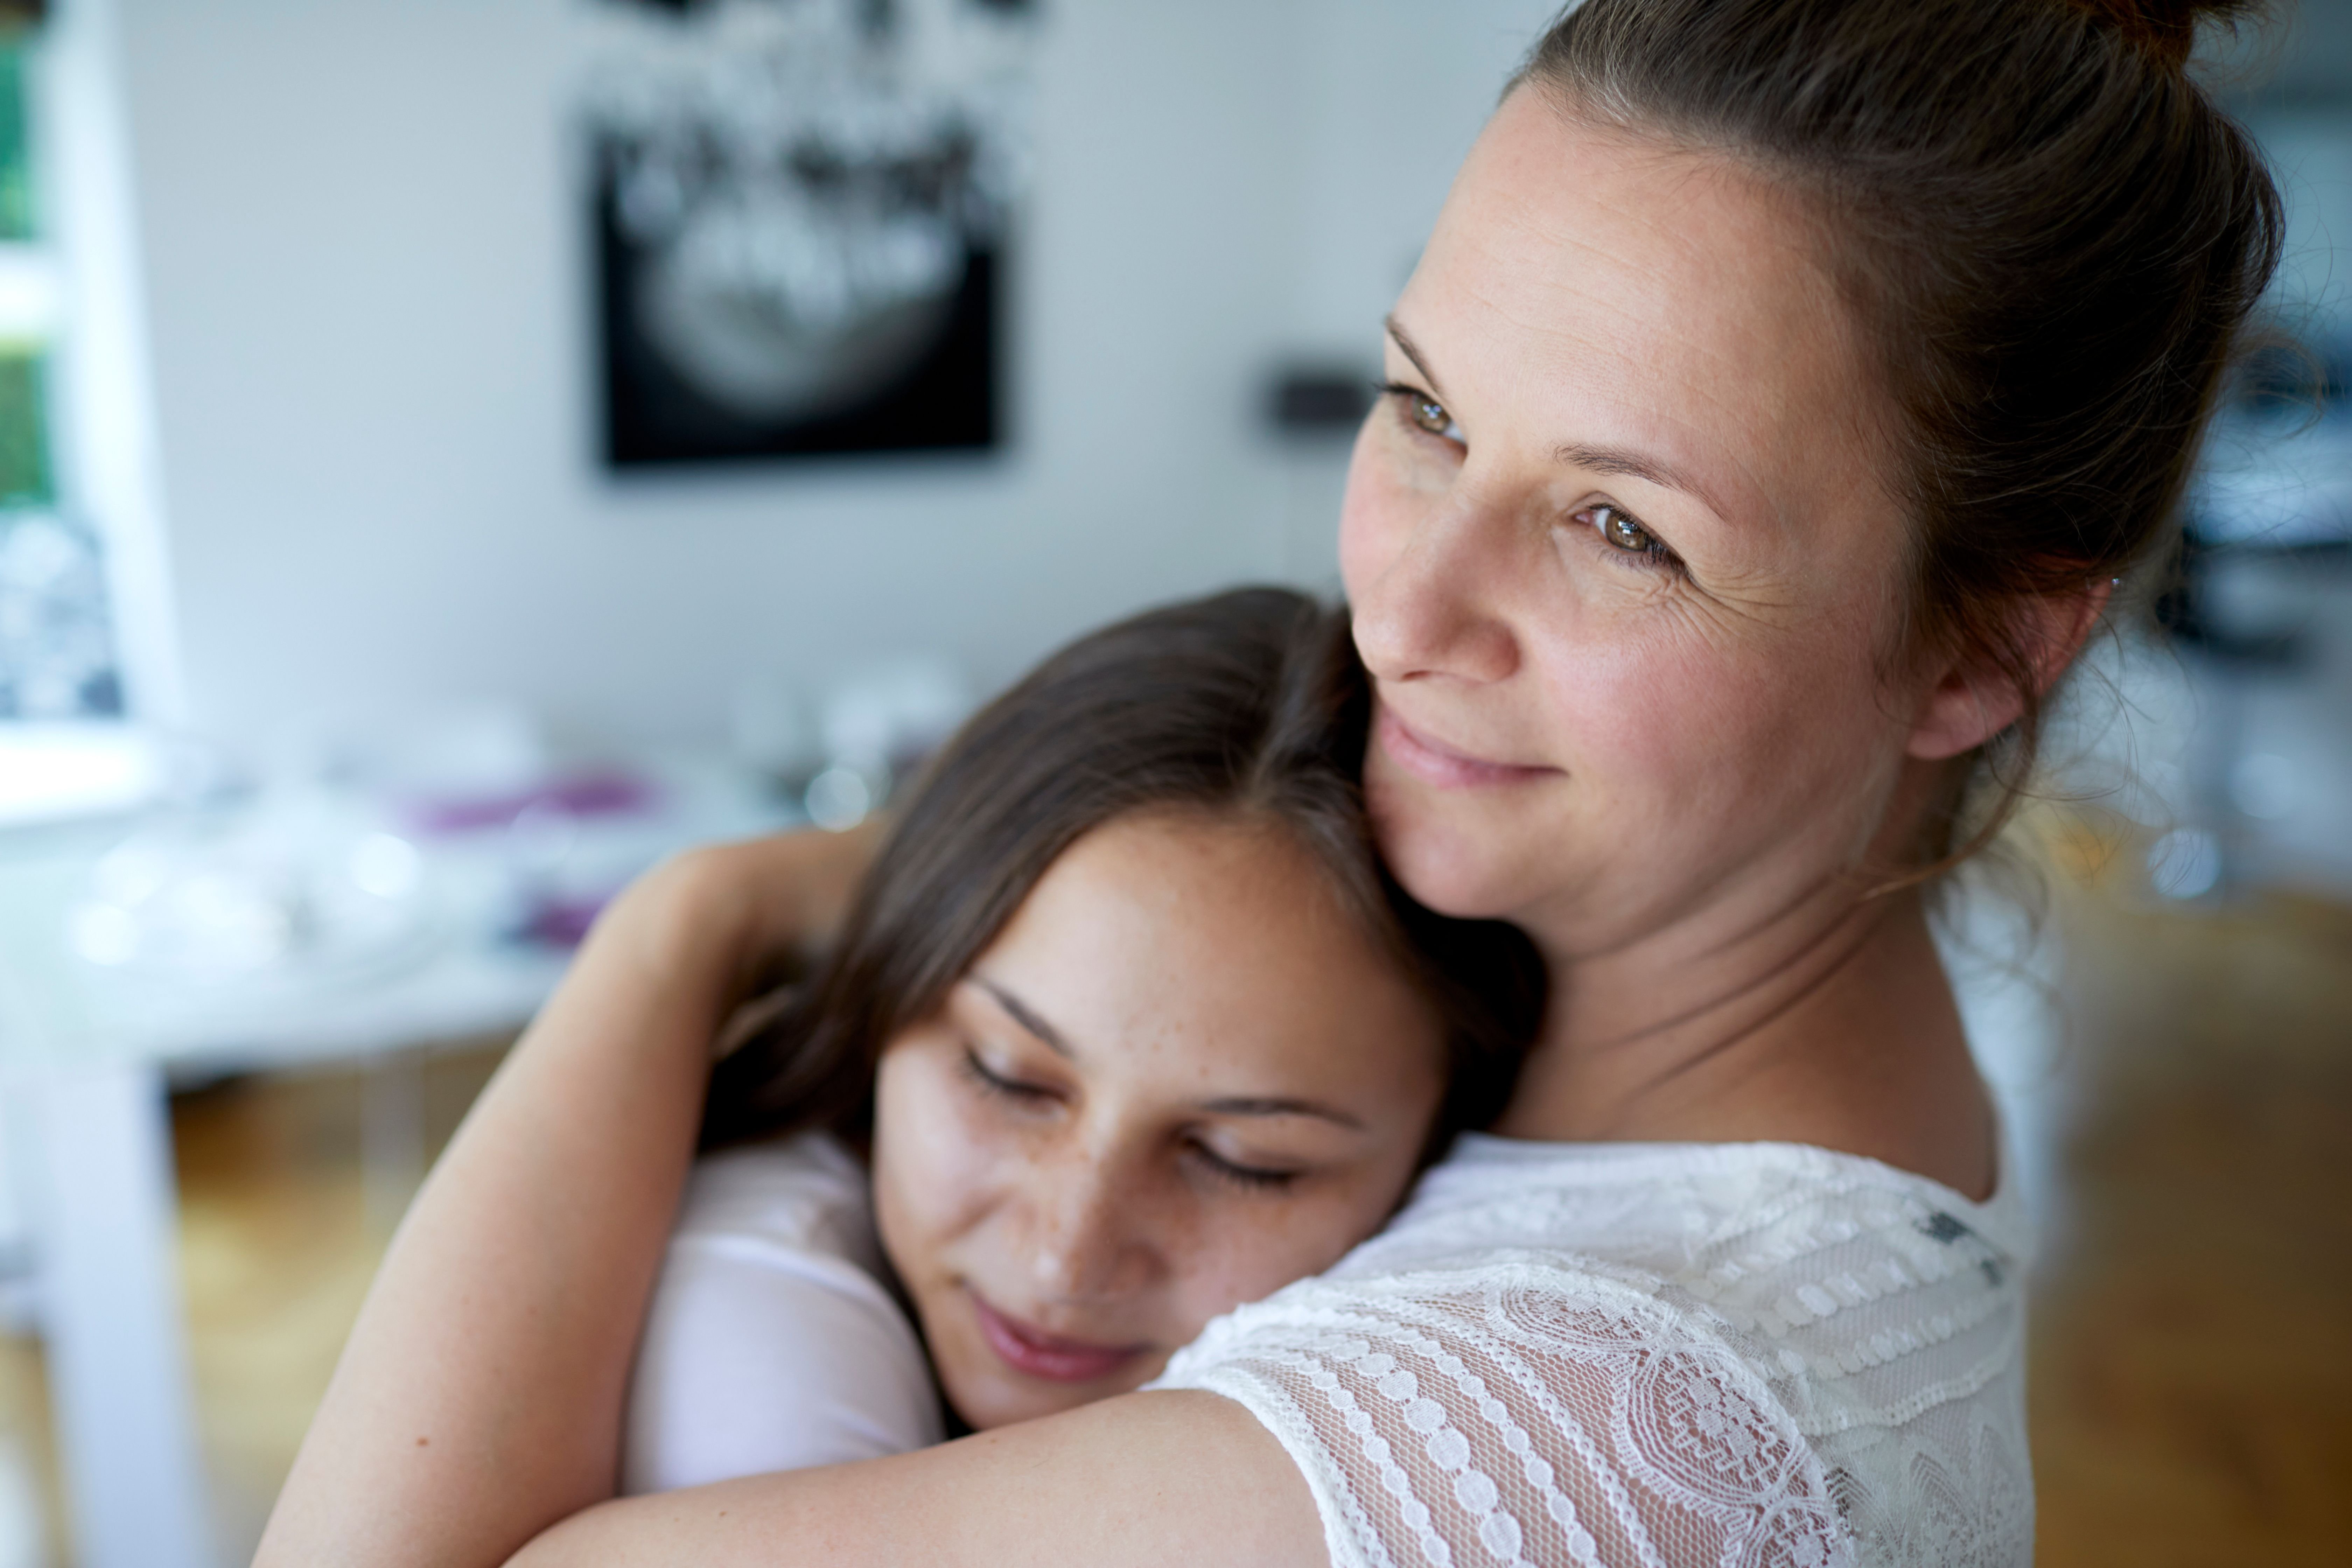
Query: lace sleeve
x=1518 y=1412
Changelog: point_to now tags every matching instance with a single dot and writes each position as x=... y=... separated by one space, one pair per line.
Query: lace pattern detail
x=1801 y=1358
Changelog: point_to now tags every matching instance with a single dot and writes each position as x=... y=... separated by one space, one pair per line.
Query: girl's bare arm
x=476 y=1412
x=479 y=1397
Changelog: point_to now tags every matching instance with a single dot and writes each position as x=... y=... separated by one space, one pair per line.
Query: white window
x=85 y=670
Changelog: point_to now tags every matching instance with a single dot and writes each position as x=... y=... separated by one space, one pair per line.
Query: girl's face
x=1623 y=565
x=1179 y=1079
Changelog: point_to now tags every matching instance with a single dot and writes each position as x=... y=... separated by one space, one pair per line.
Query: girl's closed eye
x=1256 y=1178
x=1006 y=1084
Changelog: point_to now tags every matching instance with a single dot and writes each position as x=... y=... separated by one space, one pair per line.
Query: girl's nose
x=1089 y=1238
x=1428 y=607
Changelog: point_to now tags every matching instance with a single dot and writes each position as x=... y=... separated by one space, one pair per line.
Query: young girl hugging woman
x=1124 y=1027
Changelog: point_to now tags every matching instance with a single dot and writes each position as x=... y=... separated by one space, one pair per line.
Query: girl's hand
x=727 y=912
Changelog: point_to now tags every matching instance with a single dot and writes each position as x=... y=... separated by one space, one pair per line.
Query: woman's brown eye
x=1426 y=412
x=1620 y=529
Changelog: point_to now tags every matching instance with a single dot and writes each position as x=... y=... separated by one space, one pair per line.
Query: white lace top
x=1662 y=1355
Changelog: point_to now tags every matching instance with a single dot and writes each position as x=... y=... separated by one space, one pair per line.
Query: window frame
x=104 y=466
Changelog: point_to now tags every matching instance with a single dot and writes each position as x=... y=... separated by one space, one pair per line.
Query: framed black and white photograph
x=801 y=213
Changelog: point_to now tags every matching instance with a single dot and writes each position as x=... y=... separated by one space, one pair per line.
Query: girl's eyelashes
x=1255 y=1177
x=995 y=1083
x=1623 y=532
x=1034 y=1096
x=1423 y=412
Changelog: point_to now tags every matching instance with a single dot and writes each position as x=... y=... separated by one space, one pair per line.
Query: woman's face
x=1179 y=1079
x=1622 y=563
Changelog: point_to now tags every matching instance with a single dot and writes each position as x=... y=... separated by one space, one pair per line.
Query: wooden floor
x=289 y=1195
x=289 y=1187
x=2191 y=1382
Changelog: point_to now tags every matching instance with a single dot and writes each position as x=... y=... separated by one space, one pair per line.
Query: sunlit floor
x=2192 y=1359
x=2191 y=1382
x=282 y=1221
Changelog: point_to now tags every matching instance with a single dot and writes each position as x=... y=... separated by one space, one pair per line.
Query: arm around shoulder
x=1146 y=1481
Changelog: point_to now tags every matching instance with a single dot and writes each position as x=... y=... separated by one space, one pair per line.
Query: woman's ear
x=1978 y=697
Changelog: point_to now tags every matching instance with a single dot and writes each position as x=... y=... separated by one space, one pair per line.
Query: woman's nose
x=1428 y=606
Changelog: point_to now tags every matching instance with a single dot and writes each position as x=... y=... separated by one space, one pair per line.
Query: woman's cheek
x=1678 y=706
x=1377 y=512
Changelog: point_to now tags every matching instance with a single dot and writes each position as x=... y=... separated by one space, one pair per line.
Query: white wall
x=2310 y=149
x=366 y=288
x=1389 y=95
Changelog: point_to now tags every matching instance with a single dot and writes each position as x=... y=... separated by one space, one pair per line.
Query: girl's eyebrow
x=1026 y=1016
x=1234 y=1105
x=1251 y=1105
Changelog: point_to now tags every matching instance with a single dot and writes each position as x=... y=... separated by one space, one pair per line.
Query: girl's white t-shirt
x=1662 y=1355
x=771 y=1342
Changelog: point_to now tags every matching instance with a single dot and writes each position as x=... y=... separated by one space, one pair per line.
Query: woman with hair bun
x=1782 y=396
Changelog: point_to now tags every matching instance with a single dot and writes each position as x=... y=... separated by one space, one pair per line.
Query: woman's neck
x=1834 y=1026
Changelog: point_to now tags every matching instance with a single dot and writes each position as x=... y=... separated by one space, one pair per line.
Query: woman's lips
x=1430 y=763
x=1028 y=1349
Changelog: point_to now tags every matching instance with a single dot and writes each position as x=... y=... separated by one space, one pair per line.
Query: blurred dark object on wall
x=1311 y=402
x=924 y=376
x=879 y=8
x=799 y=223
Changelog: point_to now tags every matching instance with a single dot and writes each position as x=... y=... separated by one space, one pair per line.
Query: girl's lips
x=1427 y=760
x=1028 y=1349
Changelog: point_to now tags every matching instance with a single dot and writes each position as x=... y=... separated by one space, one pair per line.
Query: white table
x=85 y=1062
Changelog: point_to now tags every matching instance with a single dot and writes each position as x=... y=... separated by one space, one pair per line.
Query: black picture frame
x=947 y=400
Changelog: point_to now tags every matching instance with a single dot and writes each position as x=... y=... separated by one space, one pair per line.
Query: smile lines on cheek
x=1434 y=763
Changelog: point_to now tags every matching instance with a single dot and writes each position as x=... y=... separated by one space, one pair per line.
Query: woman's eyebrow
x=1026 y=1016
x=1577 y=454
x=1636 y=465
x=1403 y=341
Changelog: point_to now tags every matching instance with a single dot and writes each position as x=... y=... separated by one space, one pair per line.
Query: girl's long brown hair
x=1251 y=703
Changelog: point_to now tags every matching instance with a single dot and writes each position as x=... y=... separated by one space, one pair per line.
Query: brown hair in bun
x=2050 y=234
x=2165 y=28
